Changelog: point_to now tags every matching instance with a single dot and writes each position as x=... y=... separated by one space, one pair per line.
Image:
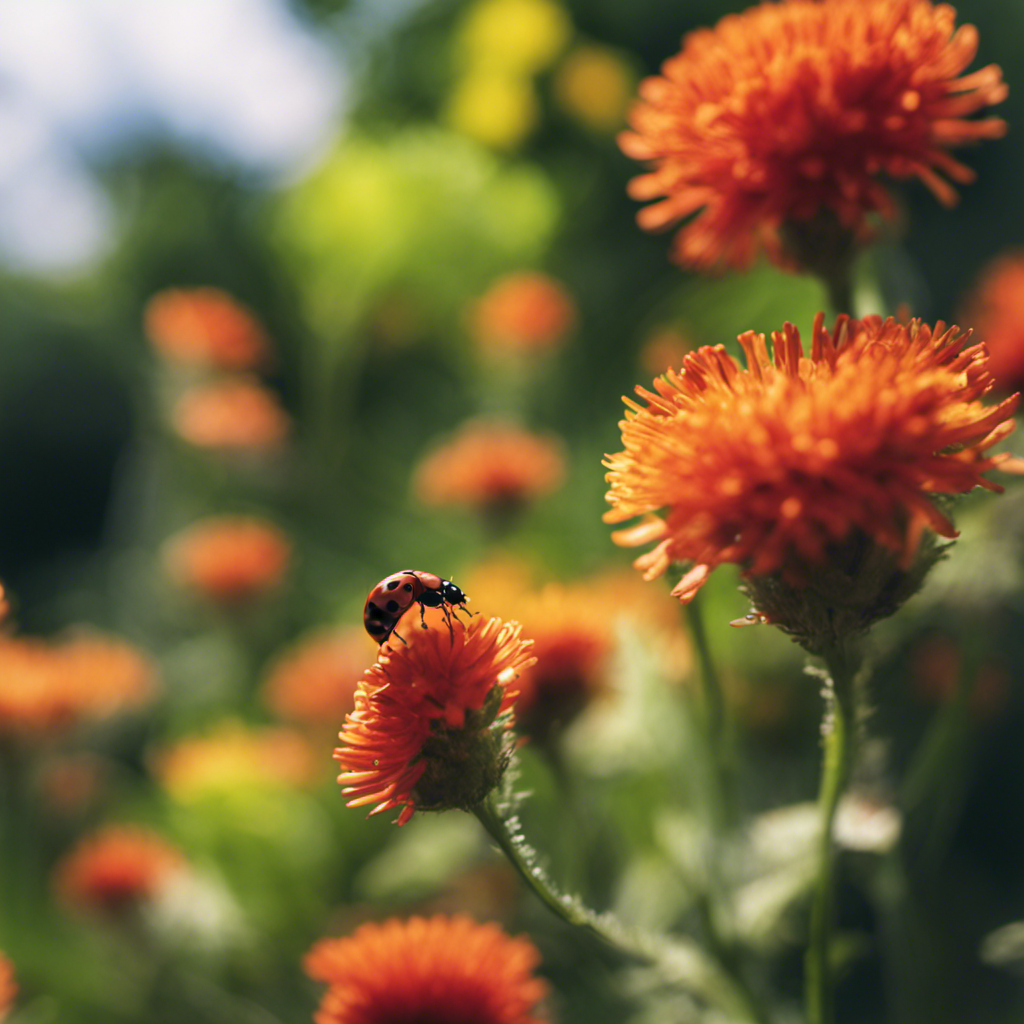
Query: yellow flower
x=517 y=36
x=498 y=109
x=594 y=85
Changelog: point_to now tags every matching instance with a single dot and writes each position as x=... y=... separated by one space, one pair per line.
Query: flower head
x=231 y=414
x=315 y=680
x=116 y=868
x=448 y=970
x=51 y=685
x=593 y=84
x=772 y=466
x=429 y=729
x=205 y=327
x=795 y=108
x=8 y=986
x=229 y=559
x=490 y=465
x=996 y=311
x=523 y=312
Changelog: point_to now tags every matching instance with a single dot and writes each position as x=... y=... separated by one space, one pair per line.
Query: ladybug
x=393 y=596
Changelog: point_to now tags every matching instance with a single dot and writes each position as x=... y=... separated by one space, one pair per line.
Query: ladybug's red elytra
x=393 y=596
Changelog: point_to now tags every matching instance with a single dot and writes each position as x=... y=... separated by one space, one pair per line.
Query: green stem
x=838 y=729
x=716 y=980
x=718 y=727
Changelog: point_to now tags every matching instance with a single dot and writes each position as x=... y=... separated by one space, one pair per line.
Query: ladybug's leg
x=400 y=637
x=456 y=608
x=446 y=609
x=423 y=621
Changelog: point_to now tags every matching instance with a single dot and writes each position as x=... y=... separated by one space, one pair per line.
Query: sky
x=244 y=82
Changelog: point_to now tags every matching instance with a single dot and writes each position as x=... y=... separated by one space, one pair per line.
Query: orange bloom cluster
x=53 y=685
x=996 y=312
x=8 y=986
x=235 y=756
x=524 y=312
x=769 y=465
x=437 y=682
x=443 y=969
x=231 y=414
x=116 y=868
x=796 y=107
x=315 y=681
x=229 y=559
x=205 y=327
x=490 y=464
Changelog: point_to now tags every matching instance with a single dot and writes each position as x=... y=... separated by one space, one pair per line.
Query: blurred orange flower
x=769 y=465
x=421 y=733
x=205 y=327
x=793 y=108
x=523 y=312
x=235 y=756
x=314 y=682
x=228 y=559
x=116 y=868
x=8 y=986
x=995 y=311
x=936 y=663
x=235 y=413
x=427 y=969
x=48 y=686
x=572 y=628
x=487 y=463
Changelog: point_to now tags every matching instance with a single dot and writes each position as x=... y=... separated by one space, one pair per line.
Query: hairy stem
x=838 y=731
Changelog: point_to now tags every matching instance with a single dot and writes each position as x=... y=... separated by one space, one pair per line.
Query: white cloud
x=243 y=80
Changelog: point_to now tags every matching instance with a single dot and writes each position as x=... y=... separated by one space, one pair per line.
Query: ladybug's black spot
x=393 y=606
x=374 y=627
x=392 y=584
x=408 y=587
x=373 y=612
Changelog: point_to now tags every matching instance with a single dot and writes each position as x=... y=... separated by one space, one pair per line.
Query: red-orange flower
x=770 y=465
x=996 y=312
x=428 y=729
x=8 y=986
x=446 y=970
x=315 y=680
x=490 y=464
x=229 y=559
x=231 y=414
x=205 y=327
x=525 y=312
x=118 y=867
x=794 y=108
x=48 y=685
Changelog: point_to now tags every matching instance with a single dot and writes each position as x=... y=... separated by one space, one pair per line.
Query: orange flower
x=8 y=986
x=769 y=466
x=48 y=686
x=572 y=629
x=229 y=559
x=491 y=465
x=525 y=312
x=239 y=414
x=315 y=681
x=116 y=868
x=795 y=108
x=427 y=969
x=233 y=756
x=205 y=327
x=996 y=312
x=429 y=726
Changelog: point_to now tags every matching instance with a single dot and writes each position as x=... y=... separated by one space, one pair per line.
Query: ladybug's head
x=451 y=593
